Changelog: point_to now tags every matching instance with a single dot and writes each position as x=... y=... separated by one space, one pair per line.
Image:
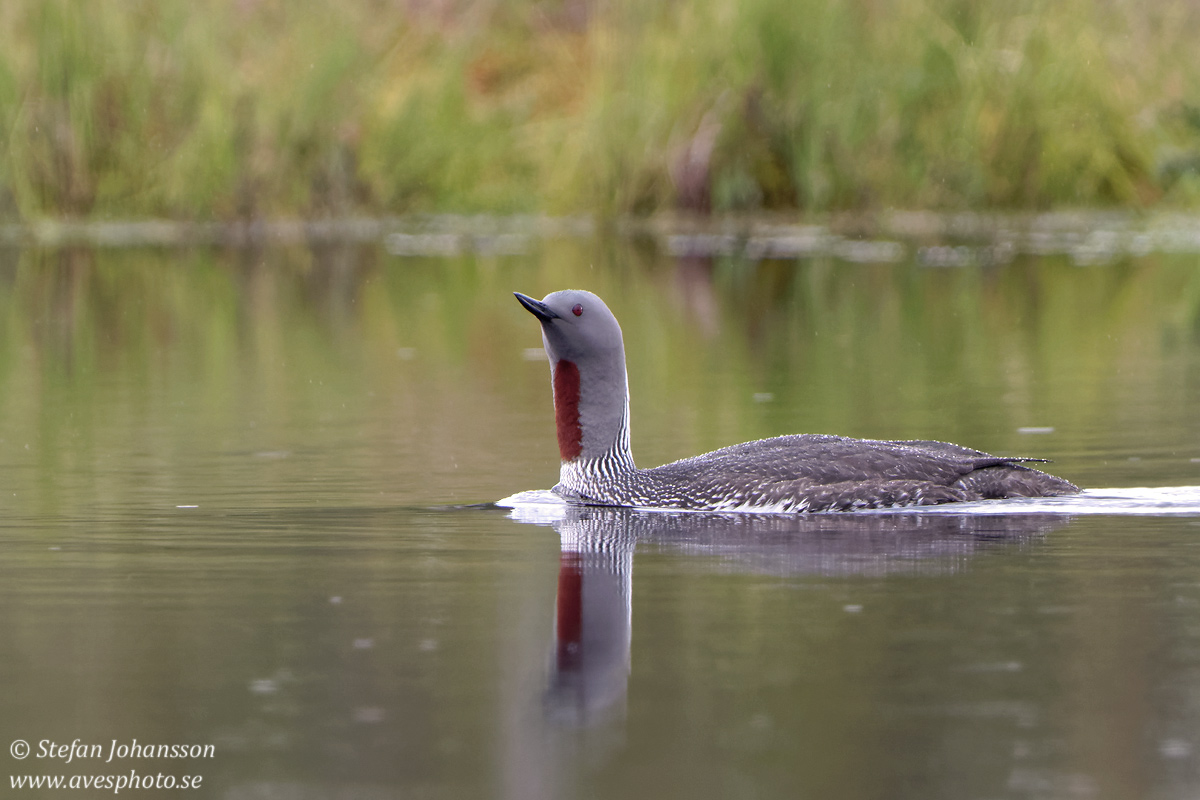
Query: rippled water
x=246 y=499
x=542 y=505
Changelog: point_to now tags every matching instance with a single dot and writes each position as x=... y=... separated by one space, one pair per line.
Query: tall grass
x=261 y=108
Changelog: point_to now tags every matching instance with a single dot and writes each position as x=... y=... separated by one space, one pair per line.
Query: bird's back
x=817 y=472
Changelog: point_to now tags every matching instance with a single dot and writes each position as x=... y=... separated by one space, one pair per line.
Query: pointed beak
x=536 y=307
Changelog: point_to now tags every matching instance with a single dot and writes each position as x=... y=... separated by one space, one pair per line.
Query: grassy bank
x=217 y=109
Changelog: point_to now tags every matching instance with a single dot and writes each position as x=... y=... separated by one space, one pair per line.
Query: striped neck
x=592 y=476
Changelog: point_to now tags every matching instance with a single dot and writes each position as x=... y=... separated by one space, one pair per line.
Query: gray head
x=587 y=365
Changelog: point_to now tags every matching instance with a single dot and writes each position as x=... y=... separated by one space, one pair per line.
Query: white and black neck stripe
x=594 y=478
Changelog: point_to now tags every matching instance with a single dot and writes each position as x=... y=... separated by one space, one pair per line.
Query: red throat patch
x=566 y=410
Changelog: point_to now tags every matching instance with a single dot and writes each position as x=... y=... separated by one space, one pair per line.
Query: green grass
x=128 y=108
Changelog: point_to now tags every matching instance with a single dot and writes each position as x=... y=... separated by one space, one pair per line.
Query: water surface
x=237 y=507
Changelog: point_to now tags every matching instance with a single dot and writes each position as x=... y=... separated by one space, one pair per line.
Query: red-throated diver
x=801 y=472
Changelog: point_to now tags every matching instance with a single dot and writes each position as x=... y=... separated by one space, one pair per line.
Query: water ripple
x=542 y=506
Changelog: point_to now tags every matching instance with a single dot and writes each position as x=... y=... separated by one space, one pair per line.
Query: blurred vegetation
x=233 y=110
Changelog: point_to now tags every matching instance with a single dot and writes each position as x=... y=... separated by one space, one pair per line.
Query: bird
x=783 y=474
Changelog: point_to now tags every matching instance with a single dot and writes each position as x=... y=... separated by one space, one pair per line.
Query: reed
x=218 y=110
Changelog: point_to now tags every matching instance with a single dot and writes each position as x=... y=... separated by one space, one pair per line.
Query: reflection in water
x=594 y=607
x=287 y=393
x=593 y=617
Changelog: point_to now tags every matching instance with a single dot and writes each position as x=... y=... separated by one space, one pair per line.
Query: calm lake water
x=245 y=501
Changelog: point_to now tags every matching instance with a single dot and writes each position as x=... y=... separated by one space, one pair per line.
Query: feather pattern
x=796 y=473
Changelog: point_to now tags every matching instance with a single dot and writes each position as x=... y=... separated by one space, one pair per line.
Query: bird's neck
x=591 y=413
x=566 y=410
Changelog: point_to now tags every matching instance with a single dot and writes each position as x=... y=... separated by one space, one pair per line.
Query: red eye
x=577 y=309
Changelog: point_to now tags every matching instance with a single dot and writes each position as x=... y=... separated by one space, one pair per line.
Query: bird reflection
x=592 y=621
x=593 y=626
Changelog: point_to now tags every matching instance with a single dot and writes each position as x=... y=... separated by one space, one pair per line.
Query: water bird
x=794 y=473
